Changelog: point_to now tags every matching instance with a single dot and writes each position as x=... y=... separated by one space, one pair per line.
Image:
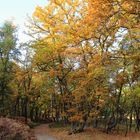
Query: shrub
x=12 y=130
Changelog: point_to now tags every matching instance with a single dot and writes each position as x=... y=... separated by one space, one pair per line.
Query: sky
x=17 y=11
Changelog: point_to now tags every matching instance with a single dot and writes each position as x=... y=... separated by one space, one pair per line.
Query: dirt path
x=42 y=134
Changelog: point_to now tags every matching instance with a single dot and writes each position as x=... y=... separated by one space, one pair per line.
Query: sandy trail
x=42 y=134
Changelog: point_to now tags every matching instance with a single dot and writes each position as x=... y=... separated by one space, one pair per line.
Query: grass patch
x=59 y=125
x=33 y=124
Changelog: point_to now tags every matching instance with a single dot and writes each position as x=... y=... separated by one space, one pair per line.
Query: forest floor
x=43 y=132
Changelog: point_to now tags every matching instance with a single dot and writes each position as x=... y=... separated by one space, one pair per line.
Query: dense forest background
x=82 y=66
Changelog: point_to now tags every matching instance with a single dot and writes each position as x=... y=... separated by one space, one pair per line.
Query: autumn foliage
x=84 y=67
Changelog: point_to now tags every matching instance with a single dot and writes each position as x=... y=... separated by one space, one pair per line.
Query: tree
x=85 y=54
x=8 y=53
